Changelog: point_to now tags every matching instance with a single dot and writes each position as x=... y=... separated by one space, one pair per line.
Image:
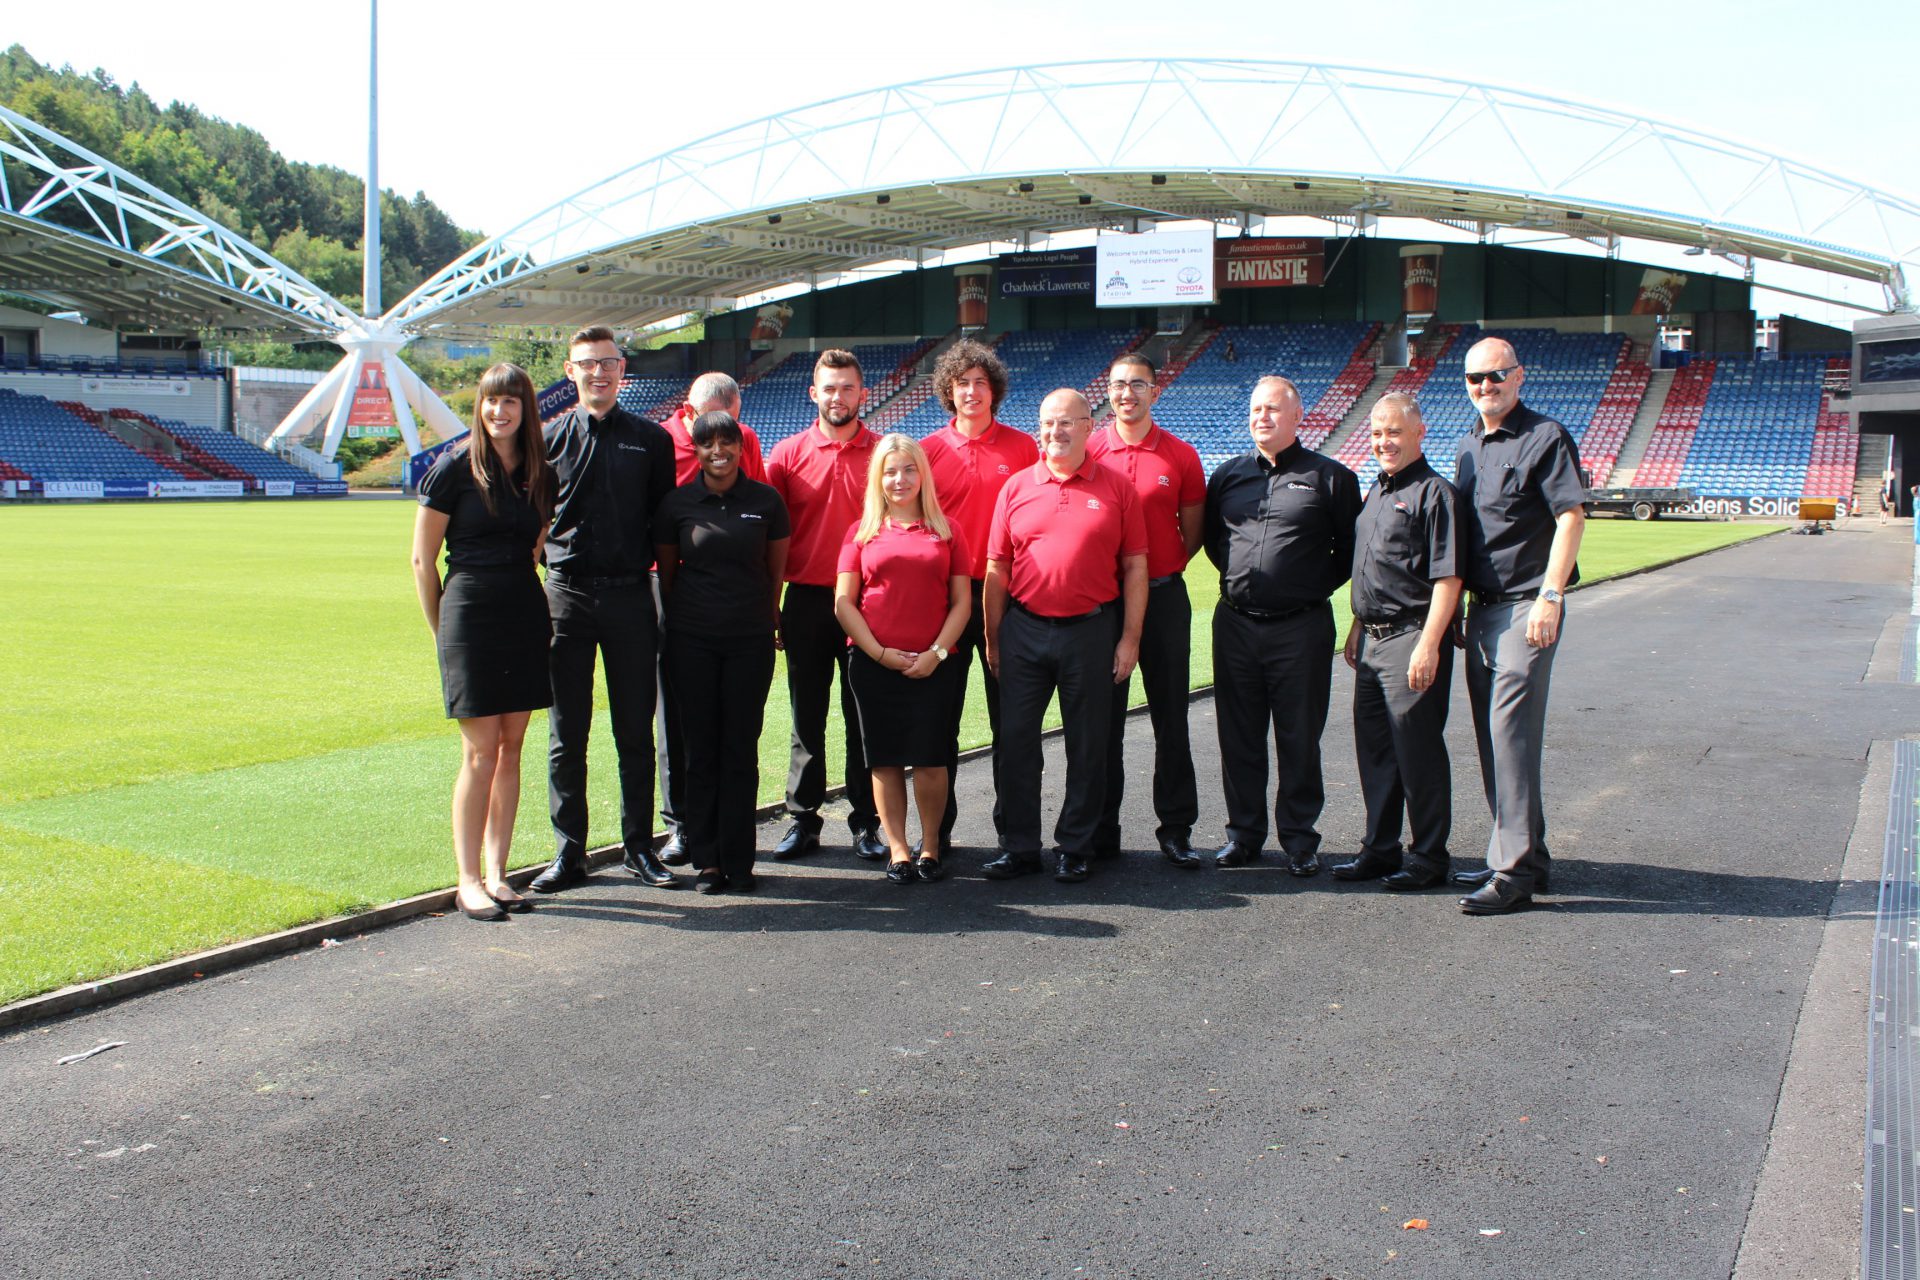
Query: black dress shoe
x=1482 y=875
x=1496 y=897
x=1011 y=866
x=929 y=869
x=868 y=844
x=562 y=873
x=647 y=869
x=1179 y=851
x=1368 y=866
x=711 y=882
x=798 y=842
x=902 y=872
x=1408 y=878
x=1235 y=854
x=1070 y=869
x=1303 y=864
x=673 y=853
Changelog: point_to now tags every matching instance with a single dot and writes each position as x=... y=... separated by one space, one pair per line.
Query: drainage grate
x=1890 y=1241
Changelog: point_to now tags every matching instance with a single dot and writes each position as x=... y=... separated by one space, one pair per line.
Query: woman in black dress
x=721 y=543
x=488 y=502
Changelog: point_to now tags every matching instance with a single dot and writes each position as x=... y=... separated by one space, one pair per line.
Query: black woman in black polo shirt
x=721 y=543
x=488 y=502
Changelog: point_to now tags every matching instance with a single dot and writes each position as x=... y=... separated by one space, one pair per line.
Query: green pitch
x=221 y=720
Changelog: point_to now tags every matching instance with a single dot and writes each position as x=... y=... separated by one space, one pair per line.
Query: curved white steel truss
x=897 y=174
x=78 y=230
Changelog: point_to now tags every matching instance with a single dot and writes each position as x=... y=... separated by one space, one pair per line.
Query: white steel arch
x=1002 y=153
x=131 y=231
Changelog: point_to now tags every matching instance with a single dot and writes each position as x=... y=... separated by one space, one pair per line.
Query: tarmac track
x=1155 y=1074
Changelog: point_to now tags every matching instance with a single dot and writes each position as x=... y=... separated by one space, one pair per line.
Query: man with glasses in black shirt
x=1522 y=514
x=1279 y=527
x=1406 y=591
x=611 y=469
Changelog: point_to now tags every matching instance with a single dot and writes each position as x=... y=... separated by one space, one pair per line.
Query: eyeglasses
x=1495 y=376
x=1052 y=424
x=1138 y=386
x=606 y=364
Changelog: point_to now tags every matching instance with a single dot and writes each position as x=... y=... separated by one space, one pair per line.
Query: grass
x=224 y=719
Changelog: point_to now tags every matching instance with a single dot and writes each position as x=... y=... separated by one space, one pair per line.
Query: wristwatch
x=939 y=652
x=1551 y=596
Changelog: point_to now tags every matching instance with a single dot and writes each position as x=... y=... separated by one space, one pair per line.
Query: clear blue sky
x=475 y=95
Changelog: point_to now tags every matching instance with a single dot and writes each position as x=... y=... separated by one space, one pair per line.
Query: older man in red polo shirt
x=821 y=474
x=971 y=459
x=1166 y=477
x=712 y=393
x=1066 y=594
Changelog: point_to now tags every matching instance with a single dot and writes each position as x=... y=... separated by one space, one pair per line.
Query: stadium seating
x=653 y=398
x=775 y=404
x=41 y=440
x=1836 y=448
x=1750 y=428
x=244 y=460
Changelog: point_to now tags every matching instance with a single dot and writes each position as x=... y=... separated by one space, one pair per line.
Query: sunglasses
x=1495 y=376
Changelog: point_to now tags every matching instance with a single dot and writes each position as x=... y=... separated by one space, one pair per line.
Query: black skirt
x=494 y=634
x=904 y=722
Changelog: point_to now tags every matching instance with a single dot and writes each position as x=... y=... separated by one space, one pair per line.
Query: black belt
x=1061 y=622
x=1386 y=630
x=1163 y=580
x=582 y=583
x=1494 y=597
x=1267 y=615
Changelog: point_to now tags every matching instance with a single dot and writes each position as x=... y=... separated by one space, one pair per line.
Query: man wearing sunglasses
x=611 y=469
x=1521 y=519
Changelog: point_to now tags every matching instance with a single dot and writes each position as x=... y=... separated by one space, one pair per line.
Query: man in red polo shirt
x=971 y=458
x=1065 y=596
x=1170 y=485
x=710 y=393
x=821 y=474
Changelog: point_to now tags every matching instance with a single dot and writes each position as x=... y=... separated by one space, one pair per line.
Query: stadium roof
x=950 y=168
x=80 y=233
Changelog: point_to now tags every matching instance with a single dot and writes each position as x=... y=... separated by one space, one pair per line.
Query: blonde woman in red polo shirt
x=903 y=597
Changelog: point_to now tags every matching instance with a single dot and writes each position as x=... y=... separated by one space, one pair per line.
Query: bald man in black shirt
x=1279 y=527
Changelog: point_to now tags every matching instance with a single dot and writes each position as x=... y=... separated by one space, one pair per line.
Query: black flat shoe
x=486 y=913
x=928 y=869
x=901 y=872
x=743 y=884
x=711 y=882
x=515 y=906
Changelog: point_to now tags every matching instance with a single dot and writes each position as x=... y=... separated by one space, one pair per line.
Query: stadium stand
x=775 y=403
x=44 y=441
x=1673 y=433
x=248 y=462
x=1758 y=424
x=1836 y=449
x=653 y=398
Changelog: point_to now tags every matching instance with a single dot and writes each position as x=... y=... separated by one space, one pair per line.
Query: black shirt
x=1281 y=533
x=1404 y=541
x=478 y=538
x=609 y=477
x=1512 y=484
x=721 y=587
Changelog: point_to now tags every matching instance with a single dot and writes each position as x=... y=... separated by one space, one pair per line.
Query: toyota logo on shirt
x=1093 y=504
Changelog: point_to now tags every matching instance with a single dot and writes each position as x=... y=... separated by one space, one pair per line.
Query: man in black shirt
x=1279 y=527
x=1406 y=591
x=611 y=469
x=1522 y=514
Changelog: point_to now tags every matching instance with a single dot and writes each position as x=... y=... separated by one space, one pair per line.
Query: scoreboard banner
x=1267 y=263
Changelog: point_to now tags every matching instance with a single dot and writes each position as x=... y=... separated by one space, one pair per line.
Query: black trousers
x=618 y=623
x=1166 y=646
x=720 y=684
x=1278 y=677
x=816 y=647
x=673 y=748
x=1400 y=741
x=1038 y=657
x=973 y=641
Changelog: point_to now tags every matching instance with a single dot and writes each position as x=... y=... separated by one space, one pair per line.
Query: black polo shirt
x=721 y=587
x=1512 y=484
x=610 y=474
x=1405 y=540
x=476 y=537
x=1281 y=533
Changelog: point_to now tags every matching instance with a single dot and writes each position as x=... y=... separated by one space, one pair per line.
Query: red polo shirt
x=1165 y=474
x=679 y=425
x=968 y=473
x=1065 y=538
x=904 y=573
x=823 y=481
